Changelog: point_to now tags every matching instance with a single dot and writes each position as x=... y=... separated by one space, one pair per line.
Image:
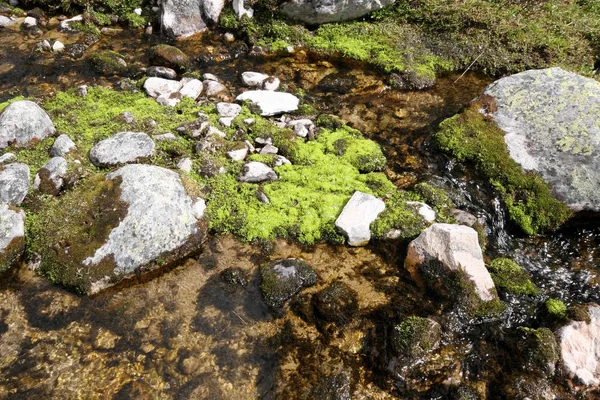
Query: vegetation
x=556 y=309
x=415 y=336
x=509 y=276
x=471 y=137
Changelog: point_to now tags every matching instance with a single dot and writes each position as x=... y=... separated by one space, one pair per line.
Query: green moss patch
x=556 y=309
x=509 y=276
x=471 y=137
x=415 y=336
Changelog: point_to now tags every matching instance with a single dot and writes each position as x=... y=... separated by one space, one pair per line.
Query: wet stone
x=356 y=217
x=214 y=89
x=282 y=279
x=24 y=123
x=253 y=79
x=169 y=56
x=14 y=183
x=161 y=72
x=122 y=148
x=337 y=303
x=235 y=276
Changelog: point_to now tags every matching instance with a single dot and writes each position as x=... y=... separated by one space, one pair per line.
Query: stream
x=192 y=332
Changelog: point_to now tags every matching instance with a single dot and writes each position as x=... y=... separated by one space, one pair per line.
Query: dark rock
x=415 y=336
x=108 y=62
x=169 y=56
x=161 y=72
x=235 y=276
x=282 y=279
x=76 y=50
x=337 y=303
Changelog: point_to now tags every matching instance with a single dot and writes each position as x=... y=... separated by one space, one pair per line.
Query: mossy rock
x=336 y=303
x=510 y=277
x=415 y=336
x=169 y=56
x=282 y=279
x=472 y=137
x=108 y=62
x=555 y=309
x=541 y=350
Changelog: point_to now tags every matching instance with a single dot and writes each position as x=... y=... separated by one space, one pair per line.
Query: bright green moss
x=470 y=137
x=363 y=154
x=509 y=276
x=398 y=215
x=556 y=309
x=433 y=196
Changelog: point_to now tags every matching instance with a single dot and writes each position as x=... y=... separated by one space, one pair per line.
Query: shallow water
x=189 y=334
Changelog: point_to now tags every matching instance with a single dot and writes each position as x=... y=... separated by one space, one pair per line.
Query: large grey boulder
x=552 y=122
x=12 y=235
x=181 y=18
x=270 y=103
x=14 y=183
x=160 y=219
x=24 y=123
x=445 y=249
x=322 y=11
x=212 y=9
x=122 y=148
x=51 y=177
x=579 y=343
x=356 y=217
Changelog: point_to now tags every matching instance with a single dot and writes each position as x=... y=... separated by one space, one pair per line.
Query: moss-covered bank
x=474 y=138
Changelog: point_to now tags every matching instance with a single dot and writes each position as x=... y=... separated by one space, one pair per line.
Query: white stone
x=165 y=137
x=198 y=208
x=29 y=22
x=229 y=37
x=191 y=88
x=7 y=21
x=356 y=217
x=7 y=157
x=137 y=11
x=579 y=344
x=156 y=87
x=239 y=154
x=181 y=18
x=24 y=122
x=271 y=103
x=255 y=172
x=228 y=109
x=271 y=83
x=121 y=148
x=212 y=9
x=424 y=210
x=212 y=131
x=281 y=160
x=226 y=121
x=14 y=183
x=65 y=25
x=53 y=179
x=168 y=100
x=253 y=79
x=210 y=77
x=456 y=248
x=58 y=47
x=214 y=88
x=185 y=164
x=269 y=149
x=240 y=10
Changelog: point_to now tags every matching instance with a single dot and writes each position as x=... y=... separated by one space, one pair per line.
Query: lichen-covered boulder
x=270 y=103
x=133 y=220
x=282 y=279
x=579 y=344
x=181 y=18
x=12 y=235
x=62 y=146
x=356 y=218
x=551 y=119
x=323 y=11
x=51 y=177
x=14 y=183
x=122 y=148
x=443 y=252
x=24 y=123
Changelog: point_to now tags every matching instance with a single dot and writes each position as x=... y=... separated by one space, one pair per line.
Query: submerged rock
x=579 y=344
x=181 y=18
x=169 y=56
x=551 y=119
x=12 y=235
x=24 y=123
x=282 y=279
x=322 y=11
x=270 y=103
x=134 y=220
x=14 y=183
x=108 y=62
x=122 y=148
x=50 y=178
x=356 y=218
x=415 y=336
x=337 y=303
x=443 y=250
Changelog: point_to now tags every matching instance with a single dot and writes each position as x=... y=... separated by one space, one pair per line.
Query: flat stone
x=269 y=149
x=270 y=103
x=165 y=137
x=228 y=109
x=14 y=183
x=455 y=248
x=579 y=344
x=5 y=22
x=356 y=218
x=210 y=77
x=238 y=155
x=50 y=178
x=156 y=87
x=181 y=18
x=161 y=72
x=253 y=79
x=24 y=123
x=122 y=148
x=551 y=119
x=12 y=235
x=255 y=172
x=322 y=11
x=226 y=121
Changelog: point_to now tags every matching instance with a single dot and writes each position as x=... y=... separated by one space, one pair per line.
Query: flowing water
x=192 y=333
